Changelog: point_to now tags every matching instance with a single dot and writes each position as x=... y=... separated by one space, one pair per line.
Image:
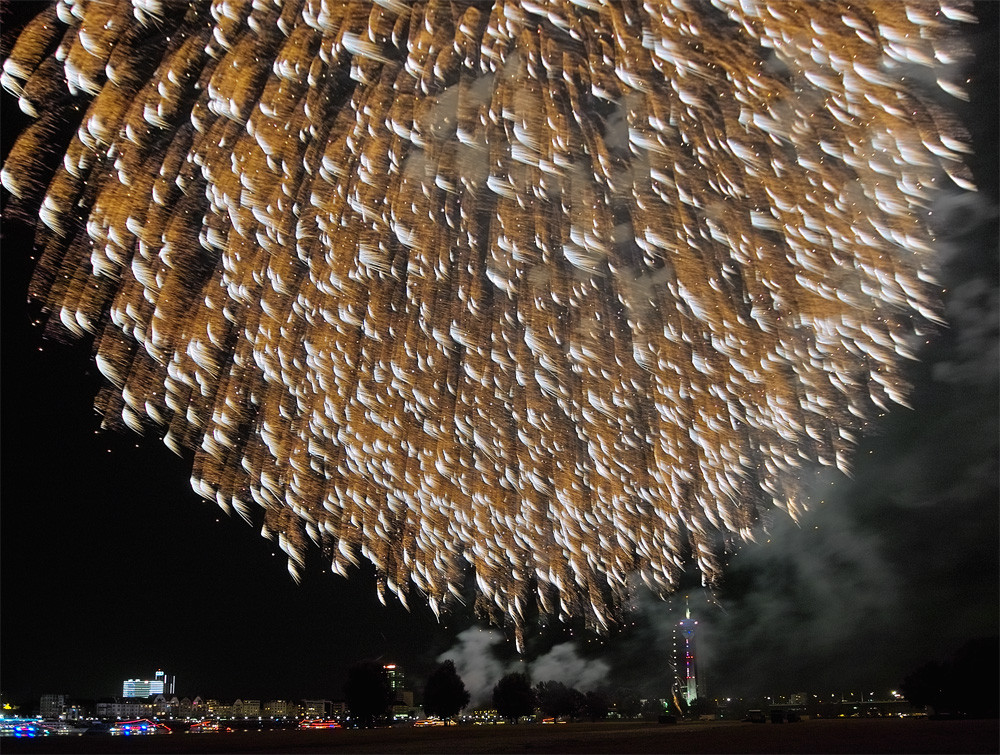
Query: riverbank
x=816 y=736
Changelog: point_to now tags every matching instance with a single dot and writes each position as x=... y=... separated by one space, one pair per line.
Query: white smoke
x=817 y=595
x=972 y=304
x=476 y=662
x=564 y=664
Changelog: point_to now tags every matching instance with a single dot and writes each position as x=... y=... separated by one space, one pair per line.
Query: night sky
x=112 y=567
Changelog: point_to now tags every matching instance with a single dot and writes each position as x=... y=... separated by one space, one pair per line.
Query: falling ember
x=558 y=291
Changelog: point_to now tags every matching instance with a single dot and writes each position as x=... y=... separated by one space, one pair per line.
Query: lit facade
x=118 y=710
x=246 y=709
x=167 y=680
x=402 y=698
x=162 y=683
x=141 y=688
x=280 y=709
x=52 y=706
x=316 y=708
x=395 y=674
x=188 y=708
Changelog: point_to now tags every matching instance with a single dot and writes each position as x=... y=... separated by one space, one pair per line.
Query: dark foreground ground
x=820 y=736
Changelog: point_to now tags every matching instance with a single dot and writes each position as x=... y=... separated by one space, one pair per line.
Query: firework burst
x=558 y=291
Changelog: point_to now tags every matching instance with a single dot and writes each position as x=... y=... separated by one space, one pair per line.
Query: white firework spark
x=556 y=291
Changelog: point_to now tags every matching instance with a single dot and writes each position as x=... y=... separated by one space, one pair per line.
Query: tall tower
x=685 y=662
x=167 y=680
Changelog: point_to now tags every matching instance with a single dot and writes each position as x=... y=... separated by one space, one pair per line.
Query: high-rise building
x=167 y=680
x=52 y=706
x=162 y=683
x=402 y=698
x=685 y=659
x=140 y=688
x=395 y=675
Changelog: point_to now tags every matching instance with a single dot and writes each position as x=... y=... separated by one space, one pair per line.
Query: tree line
x=369 y=697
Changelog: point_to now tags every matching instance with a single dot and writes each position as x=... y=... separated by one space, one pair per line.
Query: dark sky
x=112 y=567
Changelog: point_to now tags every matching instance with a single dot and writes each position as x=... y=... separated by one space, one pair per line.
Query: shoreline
x=812 y=736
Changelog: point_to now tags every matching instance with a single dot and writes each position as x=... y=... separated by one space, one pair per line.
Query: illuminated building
x=316 y=708
x=139 y=688
x=395 y=675
x=246 y=708
x=279 y=709
x=118 y=710
x=685 y=660
x=402 y=699
x=162 y=683
x=167 y=680
x=52 y=706
x=188 y=708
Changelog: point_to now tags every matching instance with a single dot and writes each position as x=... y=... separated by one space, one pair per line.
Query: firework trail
x=560 y=291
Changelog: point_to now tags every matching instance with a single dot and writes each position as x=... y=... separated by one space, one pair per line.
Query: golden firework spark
x=555 y=290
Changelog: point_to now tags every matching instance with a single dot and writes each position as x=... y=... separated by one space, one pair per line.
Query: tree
x=927 y=685
x=975 y=677
x=702 y=706
x=652 y=708
x=553 y=699
x=367 y=692
x=595 y=705
x=965 y=684
x=513 y=696
x=577 y=703
x=445 y=694
x=628 y=703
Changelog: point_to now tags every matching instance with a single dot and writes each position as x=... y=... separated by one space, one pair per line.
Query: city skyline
x=110 y=560
x=72 y=702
